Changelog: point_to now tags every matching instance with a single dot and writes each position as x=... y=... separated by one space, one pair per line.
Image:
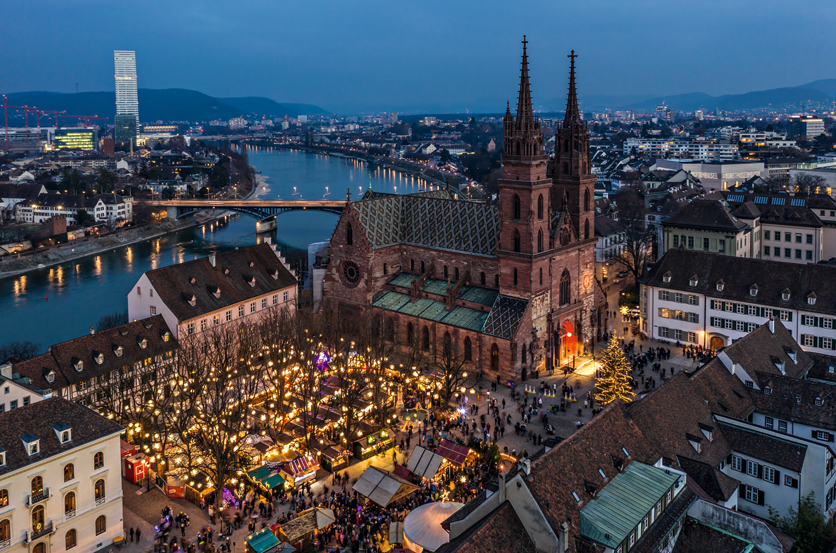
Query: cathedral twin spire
x=523 y=136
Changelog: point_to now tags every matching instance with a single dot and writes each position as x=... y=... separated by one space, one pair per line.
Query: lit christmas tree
x=614 y=382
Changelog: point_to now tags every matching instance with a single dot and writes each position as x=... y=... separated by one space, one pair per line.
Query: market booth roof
x=382 y=488
x=262 y=541
x=259 y=473
x=422 y=526
x=304 y=525
x=274 y=481
x=453 y=452
x=424 y=462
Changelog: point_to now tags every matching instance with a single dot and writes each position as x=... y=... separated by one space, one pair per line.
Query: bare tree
x=20 y=349
x=276 y=331
x=806 y=184
x=112 y=320
x=638 y=239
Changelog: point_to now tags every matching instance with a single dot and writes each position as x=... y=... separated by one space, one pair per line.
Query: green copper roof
x=432 y=310
x=619 y=508
x=262 y=541
x=473 y=294
x=259 y=473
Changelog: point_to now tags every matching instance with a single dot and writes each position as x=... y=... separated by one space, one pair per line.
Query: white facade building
x=675 y=148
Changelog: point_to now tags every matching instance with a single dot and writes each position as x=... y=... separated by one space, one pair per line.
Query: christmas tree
x=614 y=381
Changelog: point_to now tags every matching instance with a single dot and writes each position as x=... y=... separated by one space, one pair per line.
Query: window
x=515 y=276
x=586 y=229
x=5 y=531
x=349 y=235
x=769 y=475
x=516 y=207
x=809 y=238
x=101 y=523
x=495 y=357
x=798 y=254
x=564 y=295
x=468 y=349
x=705 y=244
x=99 y=491
x=153 y=310
x=216 y=320
x=798 y=238
x=677 y=297
x=384 y=268
x=690 y=242
x=787 y=237
x=632 y=539
x=809 y=254
x=737 y=463
x=4 y=498
x=190 y=328
x=766 y=250
x=69 y=472
x=827 y=343
x=752 y=468
x=539 y=240
x=782 y=426
x=264 y=303
x=787 y=253
x=516 y=240
x=410 y=333
x=37 y=518
x=252 y=307
x=664 y=295
x=721 y=245
x=138 y=291
x=790 y=481
x=540 y=206
x=693 y=300
x=284 y=298
x=752 y=494
x=768 y=421
x=822 y=435
x=275 y=299
x=675 y=241
x=228 y=316
x=766 y=234
x=240 y=311
x=203 y=324
x=34 y=447
x=70 y=539
x=482 y=278
x=425 y=339
x=69 y=505
x=98 y=460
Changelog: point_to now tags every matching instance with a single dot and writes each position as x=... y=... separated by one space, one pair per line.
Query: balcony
x=69 y=514
x=100 y=501
x=5 y=543
x=43 y=531
x=34 y=499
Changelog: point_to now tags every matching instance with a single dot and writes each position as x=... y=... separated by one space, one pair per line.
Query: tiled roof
x=500 y=531
x=605 y=226
x=772 y=450
x=794 y=399
x=821 y=369
x=62 y=359
x=232 y=275
x=39 y=420
x=705 y=214
x=505 y=317
x=762 y=348
x=428 y=220
x=740 y=273
x=432 y=310
x=718 y=486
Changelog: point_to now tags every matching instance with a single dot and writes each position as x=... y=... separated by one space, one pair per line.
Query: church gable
x=563 y=231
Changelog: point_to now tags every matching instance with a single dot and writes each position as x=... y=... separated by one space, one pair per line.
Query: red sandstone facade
x=520 y=294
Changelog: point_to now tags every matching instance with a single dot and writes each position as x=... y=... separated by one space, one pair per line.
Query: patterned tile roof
x=428 y=220
x=431 y=310
x=505 y=317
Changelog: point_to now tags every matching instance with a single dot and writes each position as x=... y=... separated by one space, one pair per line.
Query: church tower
x=574 y=187
x=524 y=197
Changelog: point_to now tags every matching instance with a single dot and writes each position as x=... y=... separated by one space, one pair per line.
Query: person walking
x=131 y=533
x=138 y=533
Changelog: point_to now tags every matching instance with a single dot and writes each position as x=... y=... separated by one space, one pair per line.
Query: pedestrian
x=138 y=533
x=131 y=533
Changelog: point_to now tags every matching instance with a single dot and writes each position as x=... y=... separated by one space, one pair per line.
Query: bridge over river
x=260 y=209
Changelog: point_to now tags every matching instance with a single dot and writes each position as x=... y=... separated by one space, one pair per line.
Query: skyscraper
x=127 y=102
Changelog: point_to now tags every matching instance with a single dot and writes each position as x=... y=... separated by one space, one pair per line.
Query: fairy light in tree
x=614 y=381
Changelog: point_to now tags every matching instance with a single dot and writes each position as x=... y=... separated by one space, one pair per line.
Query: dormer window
x=226 y=271
x=798 y=398
x=2 y=458
x=166 y=336
x=693 y=281
x=64 y=433
x=50 y=377
x=275 y=275
x=118 y=351
x=576 y=498
x=624 y=449
x=601 y=472
x=99 y=358
x=753 y=290
x=252 y=264
x=720 y=285
x=32 y=444
x=143 y=343
x=785 y=295
x=767 y=391
x=193 y=300
x=811 y=299
x=819 y=402
x=251 y=282
x=216 y=292
x=666 y=278
x=192 y=280
x=79 y=365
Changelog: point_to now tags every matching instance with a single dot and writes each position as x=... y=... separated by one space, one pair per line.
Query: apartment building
x=683 y=149
x=60 y=479
x=222 y=288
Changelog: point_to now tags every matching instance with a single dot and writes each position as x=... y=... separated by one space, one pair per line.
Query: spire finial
x=573 y=115
x=525 y=112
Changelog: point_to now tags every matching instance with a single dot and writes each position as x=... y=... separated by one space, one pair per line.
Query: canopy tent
x=263 y=541
x=382 y=488
x=422 y=526
x=395 y=533
x=264 y=477
x=304 y=525
x=424 y=463
x=259 y=473
x=274 y=481
x=300 y=469
x=453 y=452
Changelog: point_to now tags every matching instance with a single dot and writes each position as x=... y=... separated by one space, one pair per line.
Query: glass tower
x=127 y=102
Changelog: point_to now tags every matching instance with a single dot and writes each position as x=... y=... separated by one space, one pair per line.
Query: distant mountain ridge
x=170 y=104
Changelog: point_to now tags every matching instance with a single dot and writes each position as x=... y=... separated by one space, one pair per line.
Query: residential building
x=112 y=209
x=115 y=371
x=712 y=300
x=60 y=479
x=708 y=225
x=807 y=128
x=222 y=288
x=612 y=236
x=11 y=195
x=127 y=100
x=704 y=150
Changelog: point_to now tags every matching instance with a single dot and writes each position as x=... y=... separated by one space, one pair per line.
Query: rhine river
x=80 y=292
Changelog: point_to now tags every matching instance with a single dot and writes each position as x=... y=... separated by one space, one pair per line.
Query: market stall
x=263 y=477
x=263 y=541
x=422 y=528
x=455 y=453
x=424 y=463
x=332 y=457
x=300 y=470
x=382 y=488
x=198 y=487
x=369 y=445
x=306 y=526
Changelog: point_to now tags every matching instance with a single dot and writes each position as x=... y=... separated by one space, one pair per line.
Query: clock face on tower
x=587 y=282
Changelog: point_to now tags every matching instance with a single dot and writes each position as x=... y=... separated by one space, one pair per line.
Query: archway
x=568 y=342
x=717 y=343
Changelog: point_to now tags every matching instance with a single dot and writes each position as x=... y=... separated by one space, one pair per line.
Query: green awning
x=259 y=474
x=273 y=482
x=262 y=541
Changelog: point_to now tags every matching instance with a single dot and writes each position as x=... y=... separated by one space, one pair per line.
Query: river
x=80 y=292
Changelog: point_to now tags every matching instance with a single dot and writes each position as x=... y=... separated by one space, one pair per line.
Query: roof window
x=666 y=278
x=798 y=398
x=98 y=358
x=720 y=285
x=118 y=351
x=753 y=290
x=811 y=299
x=785 y=295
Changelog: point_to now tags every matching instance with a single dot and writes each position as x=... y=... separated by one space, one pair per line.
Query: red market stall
x=135 y=468
x=300 y=470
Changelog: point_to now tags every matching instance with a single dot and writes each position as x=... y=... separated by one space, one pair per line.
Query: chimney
x=501 y=487
x=212 y=259
x=92 y=330
x=772 y=324
x=563 y=538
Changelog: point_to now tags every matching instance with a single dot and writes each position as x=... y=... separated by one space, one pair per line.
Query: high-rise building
x=807 y=128
x=127 y=101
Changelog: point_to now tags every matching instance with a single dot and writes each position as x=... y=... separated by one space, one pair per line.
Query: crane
x=57 y=113
x=6 y=107
x=87 y=118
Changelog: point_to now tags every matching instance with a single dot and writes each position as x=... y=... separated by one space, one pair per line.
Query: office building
x=807 y=128
x=127 y=100
x=76 y=139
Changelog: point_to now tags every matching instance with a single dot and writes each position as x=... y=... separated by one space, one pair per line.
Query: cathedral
x=508 y=288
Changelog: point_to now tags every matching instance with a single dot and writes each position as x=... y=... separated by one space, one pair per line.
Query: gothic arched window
x=483 y=279
x=410 y=333
x=495 y=357
x=517 y=207
x=349 y=235
x=468 y=349
x=515 y=276
x=565 y=168
x=445 y=272
x=448 y=347
x=425 y=339
x=565 y=281
x=540 y=206
x=540 y=241
x=516 y=240
x=586 y=229
x=586 y=200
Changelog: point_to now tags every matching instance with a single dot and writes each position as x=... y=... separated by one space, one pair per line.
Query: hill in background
x=171 y=104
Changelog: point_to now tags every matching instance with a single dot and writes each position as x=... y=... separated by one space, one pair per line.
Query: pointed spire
x=573 y=114
x=507 y=108
x=525 y=112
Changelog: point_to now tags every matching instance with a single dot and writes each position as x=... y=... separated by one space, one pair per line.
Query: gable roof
x=705 y=214
x=764 y=347
x=231 y=276
x=39 y=419
x=770 y=449
x=495 y=533
x=794 y=399
x=435 y=222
